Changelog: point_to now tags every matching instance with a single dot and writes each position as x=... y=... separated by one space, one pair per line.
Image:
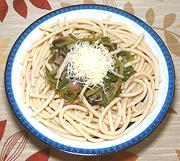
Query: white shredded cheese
x=89 y=63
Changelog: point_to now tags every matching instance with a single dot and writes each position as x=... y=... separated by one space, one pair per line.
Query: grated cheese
x=89 y=63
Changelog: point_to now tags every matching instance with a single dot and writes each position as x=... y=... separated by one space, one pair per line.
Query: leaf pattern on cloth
x=43 y=4
x=65 y=4
x=14 y=146
x=111 y=3
x=170 y=37
x=90 y=158
x=178 y=153
x=2 y=128
x=20 y=7
x=4 y=43
x=3 y=9
x=89 y=2
x=150 y=15
x=172 y=110
x=172 y=42
x=129 y=7
x=119 y=156
x=42 y=155
x=169 y=20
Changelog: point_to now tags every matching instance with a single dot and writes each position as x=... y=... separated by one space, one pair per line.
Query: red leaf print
x=3 y=9
x=43 y=4
x=42 y=155
x=20 y=7
x=94 y=158
x=120 y=156
x=2 y=128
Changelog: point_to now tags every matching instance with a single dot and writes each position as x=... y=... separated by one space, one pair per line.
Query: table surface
x=161 y=145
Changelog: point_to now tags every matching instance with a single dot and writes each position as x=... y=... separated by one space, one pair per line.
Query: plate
x=165 y=95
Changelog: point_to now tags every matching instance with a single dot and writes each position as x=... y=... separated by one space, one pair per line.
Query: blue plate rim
x=81 y=151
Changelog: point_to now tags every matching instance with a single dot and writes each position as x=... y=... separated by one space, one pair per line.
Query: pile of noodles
x=88 y=122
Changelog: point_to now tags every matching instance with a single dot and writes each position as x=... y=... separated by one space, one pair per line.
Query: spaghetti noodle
x=83 y=120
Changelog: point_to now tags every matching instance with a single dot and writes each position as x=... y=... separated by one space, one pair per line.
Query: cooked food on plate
x=89 y=80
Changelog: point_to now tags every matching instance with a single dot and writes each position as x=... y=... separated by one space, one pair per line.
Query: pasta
x=85 y=119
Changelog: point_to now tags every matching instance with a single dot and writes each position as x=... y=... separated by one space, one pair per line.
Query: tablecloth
x=161 y=145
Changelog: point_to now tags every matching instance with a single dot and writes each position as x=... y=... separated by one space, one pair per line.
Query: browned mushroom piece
x=59 y=60
x=73 y=86
x=60 y=40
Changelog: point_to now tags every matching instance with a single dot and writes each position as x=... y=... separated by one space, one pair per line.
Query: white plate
x=165 y=95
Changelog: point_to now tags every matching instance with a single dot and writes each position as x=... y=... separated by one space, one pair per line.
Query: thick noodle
x=86 y=122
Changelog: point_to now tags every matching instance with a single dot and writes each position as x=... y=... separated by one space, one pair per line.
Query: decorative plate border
x=99 y=151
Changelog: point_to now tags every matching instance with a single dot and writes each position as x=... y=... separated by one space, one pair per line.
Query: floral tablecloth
x=17 y=144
